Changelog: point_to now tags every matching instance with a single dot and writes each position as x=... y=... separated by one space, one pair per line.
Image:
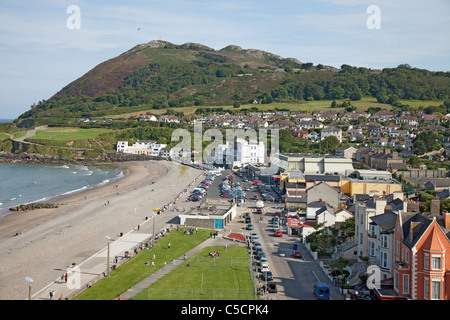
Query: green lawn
x=66 y=134
x=202 y=277
x=135 y=270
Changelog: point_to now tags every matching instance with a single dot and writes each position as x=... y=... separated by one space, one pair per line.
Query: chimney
x=446 y=216
x=435 y=205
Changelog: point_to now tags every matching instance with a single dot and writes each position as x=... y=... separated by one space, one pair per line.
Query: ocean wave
x=61 y=167
x=73 y=191
x=106 y=181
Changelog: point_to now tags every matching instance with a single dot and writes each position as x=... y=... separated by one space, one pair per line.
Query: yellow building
x=347 y=185
x=351 y=187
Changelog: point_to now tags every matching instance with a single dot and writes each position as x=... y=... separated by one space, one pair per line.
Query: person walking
x=65 y=278
x=168 y=246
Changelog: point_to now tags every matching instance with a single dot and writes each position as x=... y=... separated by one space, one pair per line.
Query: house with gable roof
x=421 y=261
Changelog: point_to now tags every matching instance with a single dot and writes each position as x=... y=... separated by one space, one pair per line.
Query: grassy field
x=135 y=270
x=66 y=134
x=307 y=106
x=202 y=277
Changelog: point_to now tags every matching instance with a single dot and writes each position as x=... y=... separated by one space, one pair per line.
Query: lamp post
x=107 y=258
x=153 y=236
x=30 y=281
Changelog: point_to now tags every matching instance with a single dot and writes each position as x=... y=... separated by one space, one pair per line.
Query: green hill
x=160 y=75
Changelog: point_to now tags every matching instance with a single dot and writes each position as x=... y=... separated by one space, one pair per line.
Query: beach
x=41 y=243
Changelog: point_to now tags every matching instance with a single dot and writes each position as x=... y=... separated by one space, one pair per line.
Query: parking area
x=281 y=264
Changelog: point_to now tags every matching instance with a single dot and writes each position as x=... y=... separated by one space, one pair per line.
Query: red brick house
x=421 y=264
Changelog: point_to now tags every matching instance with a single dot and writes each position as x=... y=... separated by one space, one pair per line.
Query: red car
x=277 y=214
x=278 y=233
x=296 y=254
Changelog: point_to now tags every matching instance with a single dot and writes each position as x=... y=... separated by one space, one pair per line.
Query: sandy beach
x=41 y=243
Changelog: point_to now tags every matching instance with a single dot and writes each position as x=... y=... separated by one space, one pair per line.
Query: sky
x=46 y=44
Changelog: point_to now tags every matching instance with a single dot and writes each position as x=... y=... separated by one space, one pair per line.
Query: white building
x=240 y=153
x=328 y=132
x=145 y=147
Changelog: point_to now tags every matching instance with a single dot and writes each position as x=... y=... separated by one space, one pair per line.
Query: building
x=364 y=211
x=143 y=147
x=323 y=192
x=240 y=153
x=313 y=163
x=348 y=152
x=381 y=243
x=215 y=214
x=383 y=159
x=331 y=132
x=421 y=264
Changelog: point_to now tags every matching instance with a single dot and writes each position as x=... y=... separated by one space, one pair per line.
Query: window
x=426 y=288
x=384 y=241
x=406 y=283
x=426 y=262
x=396 y=280
x=435 y=290
x=436 y=262
x=372 y=251
x=384 y=260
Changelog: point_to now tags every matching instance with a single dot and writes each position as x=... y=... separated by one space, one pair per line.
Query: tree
x=329 y=144
x=338 y=266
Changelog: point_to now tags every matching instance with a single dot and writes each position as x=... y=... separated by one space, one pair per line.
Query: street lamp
x=30 y=281
x=107 y=258
x=153 y=236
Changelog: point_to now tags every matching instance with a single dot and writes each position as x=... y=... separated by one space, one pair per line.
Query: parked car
x=261 y=255
x=194 y=198
x=264 y=269
x=267 y=275
x=271 y=288
x=296 y=254
x=278 y=233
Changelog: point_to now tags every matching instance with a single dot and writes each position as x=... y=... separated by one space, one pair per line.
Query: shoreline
x=54 y=199
x=40 y=243
x=15 y=222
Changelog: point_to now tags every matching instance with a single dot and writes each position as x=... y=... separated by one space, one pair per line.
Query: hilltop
x=161 y=75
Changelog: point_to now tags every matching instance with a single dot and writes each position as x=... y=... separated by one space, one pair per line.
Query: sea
x=28 y=183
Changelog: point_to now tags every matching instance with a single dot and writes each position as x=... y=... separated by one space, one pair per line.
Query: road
x=294 y=276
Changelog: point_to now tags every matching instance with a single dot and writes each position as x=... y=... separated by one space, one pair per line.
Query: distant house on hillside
x=169 y=118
